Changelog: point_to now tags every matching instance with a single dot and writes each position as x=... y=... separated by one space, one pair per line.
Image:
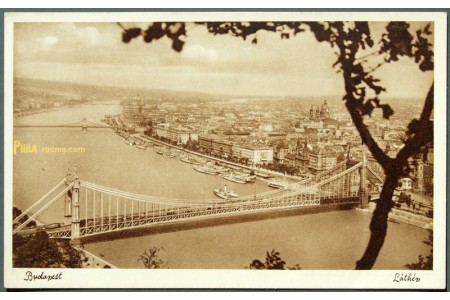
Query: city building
x=322 y=158
x=178 y=135
x=214 y=145
x=405 y=184
x=254 y=155
x=319 y=113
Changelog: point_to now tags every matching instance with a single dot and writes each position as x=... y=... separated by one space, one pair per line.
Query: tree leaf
x=130 y=34
x=387 y=110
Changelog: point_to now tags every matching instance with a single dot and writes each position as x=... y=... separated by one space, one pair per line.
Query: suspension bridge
x=84 y=124
x=91 y=209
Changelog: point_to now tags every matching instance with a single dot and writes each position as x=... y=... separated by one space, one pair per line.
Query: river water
x=332 y=240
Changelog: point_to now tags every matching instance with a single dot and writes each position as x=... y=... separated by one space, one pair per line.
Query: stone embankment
x=93 y=261
x=406 y=217
x=261 y=170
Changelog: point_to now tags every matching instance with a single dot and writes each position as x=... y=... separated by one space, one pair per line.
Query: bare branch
x=374 y=68
x=121 y=26
x=376 y=52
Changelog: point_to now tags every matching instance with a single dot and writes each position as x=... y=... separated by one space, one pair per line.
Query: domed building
x=324 y=111
x=316 y=113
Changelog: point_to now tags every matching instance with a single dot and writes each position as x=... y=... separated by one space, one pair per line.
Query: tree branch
x=368 y=55
x=347 y=59
x=428 y=106
x=424 y=132
x=366 y=137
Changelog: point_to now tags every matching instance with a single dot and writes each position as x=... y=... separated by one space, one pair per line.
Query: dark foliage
x=175 y=31
x=273 y=262
x=39 y=251
x=151 y=260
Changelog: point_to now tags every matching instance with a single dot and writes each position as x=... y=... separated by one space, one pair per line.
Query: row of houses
x=178 y=135
x=315 y=158
x=252 y=154
x=310 y=157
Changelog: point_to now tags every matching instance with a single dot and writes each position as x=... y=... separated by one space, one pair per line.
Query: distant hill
x=71 y=91
x=107 y=93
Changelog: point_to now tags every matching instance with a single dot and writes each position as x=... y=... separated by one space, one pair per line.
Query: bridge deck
x=110 y=210
x=131 y=221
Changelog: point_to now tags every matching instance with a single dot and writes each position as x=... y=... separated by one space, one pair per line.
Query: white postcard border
x=131 y=278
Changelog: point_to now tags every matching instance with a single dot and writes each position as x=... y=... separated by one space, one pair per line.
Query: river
x=332 y=240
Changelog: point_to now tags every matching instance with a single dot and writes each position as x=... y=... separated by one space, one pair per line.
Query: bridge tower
x=363 y=195
x=84 y=125
x=68 y=197
x=75 y=226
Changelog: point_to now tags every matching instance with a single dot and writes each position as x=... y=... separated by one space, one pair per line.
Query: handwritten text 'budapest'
x=29 y=276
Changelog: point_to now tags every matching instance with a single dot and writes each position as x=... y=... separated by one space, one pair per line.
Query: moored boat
x=187 y=159
x=130 y=142
x=205 y=169
x=278 y=184
x=160 y=150
x=224 y=193
x=141 y=146
x=247 y=177
x=233 y=194
x=168 y=154
x=220 y=193
x=233 y=178
x=263 y=175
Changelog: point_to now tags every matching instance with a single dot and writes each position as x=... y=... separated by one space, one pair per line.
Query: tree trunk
x=378 y=225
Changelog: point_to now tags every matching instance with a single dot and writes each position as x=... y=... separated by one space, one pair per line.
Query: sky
x=93 y=53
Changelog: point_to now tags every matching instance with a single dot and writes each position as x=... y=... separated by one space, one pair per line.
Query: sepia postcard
x=226 y=150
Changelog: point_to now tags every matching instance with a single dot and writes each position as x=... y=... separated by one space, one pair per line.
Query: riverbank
x=404 y=217
x=92 y=261
x=33 y=112
x=148 y=139
x=41 y=111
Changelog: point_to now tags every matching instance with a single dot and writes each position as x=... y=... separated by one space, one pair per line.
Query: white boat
x=233 y=178
x=233 y=194
x=168 y=154
x=224 y=193
x=222 y=169
x=220 y=193
x=278 y=184
x=263 y=175
x=247 y=177
x=140 y=146
x=206 y=170
x=130 y=142
x=187 y=159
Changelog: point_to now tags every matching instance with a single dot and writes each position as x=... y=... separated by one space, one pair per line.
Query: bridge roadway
x=212 y=215
x=116 y=211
